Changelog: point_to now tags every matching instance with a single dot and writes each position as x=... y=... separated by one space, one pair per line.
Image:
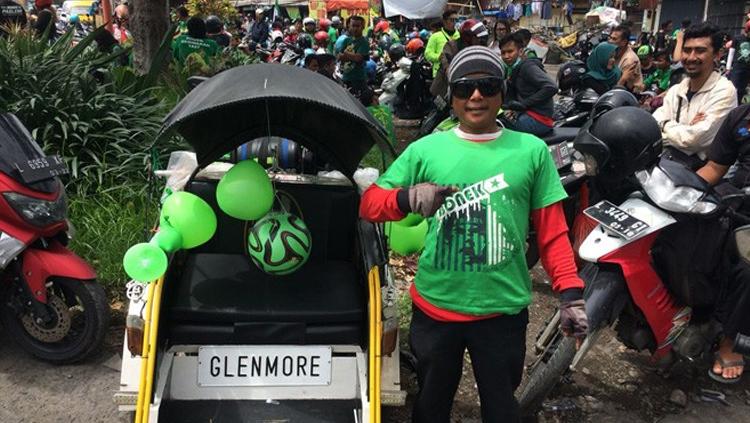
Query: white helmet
x=308 y=20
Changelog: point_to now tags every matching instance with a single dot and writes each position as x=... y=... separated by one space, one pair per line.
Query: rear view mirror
x=742 y=239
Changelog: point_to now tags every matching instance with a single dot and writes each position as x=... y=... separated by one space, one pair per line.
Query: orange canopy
x=347 y=4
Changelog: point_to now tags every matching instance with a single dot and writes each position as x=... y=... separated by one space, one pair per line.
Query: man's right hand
x=426 y=198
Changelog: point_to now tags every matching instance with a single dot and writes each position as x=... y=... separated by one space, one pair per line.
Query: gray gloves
x=426 y=198
x=573 y=320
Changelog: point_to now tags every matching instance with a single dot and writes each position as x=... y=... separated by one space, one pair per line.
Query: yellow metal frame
x=151 y=330
x=148 y=355
x=375 y=344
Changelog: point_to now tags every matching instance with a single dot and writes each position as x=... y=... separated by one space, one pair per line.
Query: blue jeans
x=526 y=123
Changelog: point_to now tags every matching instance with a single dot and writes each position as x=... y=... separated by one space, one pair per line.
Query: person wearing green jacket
x=438 y=40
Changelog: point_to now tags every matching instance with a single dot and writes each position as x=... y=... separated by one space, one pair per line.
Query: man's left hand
x=573 y=320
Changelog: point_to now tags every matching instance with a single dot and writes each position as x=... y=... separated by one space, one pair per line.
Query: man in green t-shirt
x=194 y=41
x=354 y=53
x=477 y=185
x=658 y=81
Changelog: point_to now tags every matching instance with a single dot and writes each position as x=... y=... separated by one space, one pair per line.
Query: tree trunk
x=148 y=24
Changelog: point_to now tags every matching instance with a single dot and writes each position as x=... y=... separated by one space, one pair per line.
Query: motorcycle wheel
x=80 y=320
x=546 y=372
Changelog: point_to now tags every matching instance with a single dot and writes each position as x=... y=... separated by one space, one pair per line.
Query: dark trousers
x=497 y=347
x=733 y=308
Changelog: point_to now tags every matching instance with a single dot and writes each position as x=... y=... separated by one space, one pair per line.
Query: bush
x=98 y=119
x=106 y=224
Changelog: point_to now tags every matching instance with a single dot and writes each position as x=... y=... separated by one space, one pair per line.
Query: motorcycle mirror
x=742 y=240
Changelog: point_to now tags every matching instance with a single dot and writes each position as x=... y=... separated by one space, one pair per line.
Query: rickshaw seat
x=224 y=298
x=217 y=295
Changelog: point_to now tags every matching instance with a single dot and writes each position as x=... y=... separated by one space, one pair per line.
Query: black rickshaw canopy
x=253 y=101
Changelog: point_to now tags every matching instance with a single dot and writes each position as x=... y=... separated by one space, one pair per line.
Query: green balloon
x=191 y=217
x=411 y=219
x=279 y=244
x=168 y=238
x=245 y=191
x=406 y=240
x=145 y=262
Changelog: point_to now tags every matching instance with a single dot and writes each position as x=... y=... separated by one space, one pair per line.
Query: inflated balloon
x=190 y=216
x=168 y=238
x=406 y=240
x=411 y=219
x=145 y=262
x=280 y=243
x=245 y=191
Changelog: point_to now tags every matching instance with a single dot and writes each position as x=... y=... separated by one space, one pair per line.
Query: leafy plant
x=102 y=121
x=224 y=9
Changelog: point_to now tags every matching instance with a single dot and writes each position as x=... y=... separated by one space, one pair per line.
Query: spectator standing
x=439 y=39
x=626 y=58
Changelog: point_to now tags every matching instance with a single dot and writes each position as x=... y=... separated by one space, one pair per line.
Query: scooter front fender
x=606 y=294
x=39 y=265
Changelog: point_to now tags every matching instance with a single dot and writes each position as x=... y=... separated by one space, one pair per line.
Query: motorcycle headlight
x=660 y=188
x=37 y=212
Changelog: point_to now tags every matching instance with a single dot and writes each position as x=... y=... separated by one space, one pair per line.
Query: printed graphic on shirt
x=471 y=234
x=744 y=52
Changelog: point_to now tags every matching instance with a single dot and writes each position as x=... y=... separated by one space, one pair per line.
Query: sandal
x=724 y=364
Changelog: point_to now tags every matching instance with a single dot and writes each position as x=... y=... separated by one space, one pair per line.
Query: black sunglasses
x=488 y=87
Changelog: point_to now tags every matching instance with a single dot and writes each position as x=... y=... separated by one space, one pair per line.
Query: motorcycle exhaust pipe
x=742 y=344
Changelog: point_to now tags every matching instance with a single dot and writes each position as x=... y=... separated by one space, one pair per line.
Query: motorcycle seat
x=559 y=135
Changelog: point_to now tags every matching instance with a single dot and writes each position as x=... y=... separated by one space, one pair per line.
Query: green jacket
x=435 y=45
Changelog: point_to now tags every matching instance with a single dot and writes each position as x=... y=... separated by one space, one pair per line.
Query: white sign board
x=252 y=365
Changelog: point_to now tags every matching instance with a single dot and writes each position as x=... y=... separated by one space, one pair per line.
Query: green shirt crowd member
x=194 y=41
x=660 y=78
x=354 y=52
x=439 y=39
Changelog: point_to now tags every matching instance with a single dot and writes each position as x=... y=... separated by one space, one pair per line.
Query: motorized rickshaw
x=224 y=341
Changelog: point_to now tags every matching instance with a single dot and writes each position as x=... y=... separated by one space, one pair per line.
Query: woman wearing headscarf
x=603 y=73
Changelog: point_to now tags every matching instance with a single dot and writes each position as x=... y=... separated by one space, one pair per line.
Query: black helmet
x=569 y=75
x=304 y=41
x=385 y=42
x=213 y=24
x=612 y=99
x=619 y=142
x=396 y=52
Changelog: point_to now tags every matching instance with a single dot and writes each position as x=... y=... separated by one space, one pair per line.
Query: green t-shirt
x=474 y=256
x=333 y=35
x=184 y=45
x=660 y=78
x=351 y=71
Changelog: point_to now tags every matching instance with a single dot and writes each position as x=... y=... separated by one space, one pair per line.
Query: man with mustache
x=694 y=109
x=477 y=185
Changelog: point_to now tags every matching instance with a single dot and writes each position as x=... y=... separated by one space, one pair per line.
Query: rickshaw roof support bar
x=375 y=345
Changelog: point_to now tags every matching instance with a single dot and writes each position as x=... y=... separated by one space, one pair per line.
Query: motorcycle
x=51 y=303
x=655 y=298
x=406 y=90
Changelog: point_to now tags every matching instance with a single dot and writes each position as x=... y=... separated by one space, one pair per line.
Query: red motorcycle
x=50 y=302
x=656 y=247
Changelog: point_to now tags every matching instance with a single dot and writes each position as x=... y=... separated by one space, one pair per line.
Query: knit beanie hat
x=475 y=59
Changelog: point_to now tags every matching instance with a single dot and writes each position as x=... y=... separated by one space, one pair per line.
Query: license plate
x=250 y=365
x=41 y=168
x=616 y=220
x=560 y=154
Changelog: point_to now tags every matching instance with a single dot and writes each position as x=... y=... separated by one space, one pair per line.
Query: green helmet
x=279 y=243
